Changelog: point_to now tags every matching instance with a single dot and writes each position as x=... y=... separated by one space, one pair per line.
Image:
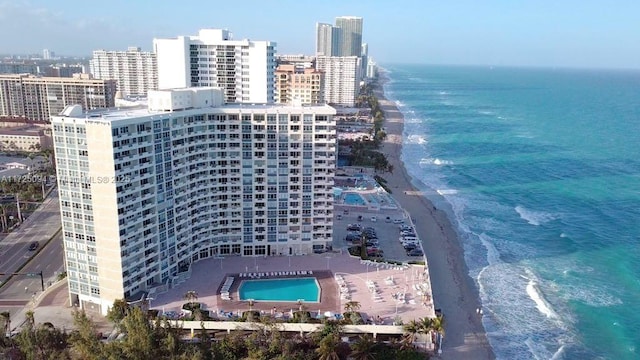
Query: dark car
x=415 y=252
x=410 y=246
x=34 y=245
x=352 y=238
x=354 y=227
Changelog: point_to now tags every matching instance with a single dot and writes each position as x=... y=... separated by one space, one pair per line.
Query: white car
x=374 y=219
x=398 y=221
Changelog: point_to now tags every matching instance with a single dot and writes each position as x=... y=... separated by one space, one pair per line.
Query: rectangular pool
x=280 y=290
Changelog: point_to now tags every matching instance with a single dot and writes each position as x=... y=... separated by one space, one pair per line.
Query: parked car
x=374 y=219
x=338 y=217
x=352 y=237
x=34 y=245
x=354 y=227
x=398 y=221
x=359 y=217
x=415 y=252
x=346 y=212
x=410 y=246
x=408 y=233
x=405 y=227
x=387 y=219
x=369 y=228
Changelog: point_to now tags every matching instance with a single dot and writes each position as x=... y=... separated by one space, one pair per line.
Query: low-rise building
x=299 y=84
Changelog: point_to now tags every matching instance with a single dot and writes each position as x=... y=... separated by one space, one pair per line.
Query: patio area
x=384 y=291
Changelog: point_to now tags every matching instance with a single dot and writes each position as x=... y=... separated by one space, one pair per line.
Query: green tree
x=363 y=348
x=139 y=342
x=84 y=339
x=327 y=347
x=5 y=316
x=411 y=330
x=191 y=296
x=118 y=311
x=351 y=306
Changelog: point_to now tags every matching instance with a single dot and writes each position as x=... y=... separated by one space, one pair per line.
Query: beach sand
x=453 y=289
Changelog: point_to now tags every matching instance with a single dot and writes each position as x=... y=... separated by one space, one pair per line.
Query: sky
x=547 y=33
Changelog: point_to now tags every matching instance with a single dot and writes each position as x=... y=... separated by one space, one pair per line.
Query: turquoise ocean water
x=540 y=171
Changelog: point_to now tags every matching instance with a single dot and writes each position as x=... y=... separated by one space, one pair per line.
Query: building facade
x=341 y=79
x=27 y=139
x=299 y=85
x=243 y=69
x=350 y=36
x=326 y=39
x=38 y=98
x=136 y=71
x=146 y=192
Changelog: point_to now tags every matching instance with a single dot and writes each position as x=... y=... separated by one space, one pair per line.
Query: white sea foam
x=399 y=103
x=416 y=139
x=447 y=191
x=563 y=235
x=443 y=93
x=533 y=290
x=435 y=161
x=536 y=218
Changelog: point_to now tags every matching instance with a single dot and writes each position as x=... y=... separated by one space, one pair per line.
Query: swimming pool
x=281 y=290
x=353 y=199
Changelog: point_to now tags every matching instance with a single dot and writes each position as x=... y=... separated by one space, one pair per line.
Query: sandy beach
x=453 y=289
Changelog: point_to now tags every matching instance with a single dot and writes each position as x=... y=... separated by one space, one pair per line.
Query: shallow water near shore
x=538 y=170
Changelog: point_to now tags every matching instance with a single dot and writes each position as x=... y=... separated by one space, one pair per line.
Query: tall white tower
x=243 y=69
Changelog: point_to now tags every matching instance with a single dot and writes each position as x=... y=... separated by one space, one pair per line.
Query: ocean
x=539 y=169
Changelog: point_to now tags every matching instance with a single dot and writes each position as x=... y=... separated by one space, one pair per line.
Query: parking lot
x=388 y=233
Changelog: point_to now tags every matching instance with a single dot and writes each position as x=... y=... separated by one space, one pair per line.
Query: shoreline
x=454 y=291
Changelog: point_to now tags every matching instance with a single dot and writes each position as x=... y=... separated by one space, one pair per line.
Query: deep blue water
x=540 y=171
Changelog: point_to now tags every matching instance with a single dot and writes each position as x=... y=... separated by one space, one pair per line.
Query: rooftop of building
x=22 y=131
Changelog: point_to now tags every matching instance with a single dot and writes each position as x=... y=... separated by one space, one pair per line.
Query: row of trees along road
x=156 y=339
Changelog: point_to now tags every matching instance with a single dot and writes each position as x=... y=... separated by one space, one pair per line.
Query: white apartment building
x=146 y=192
x=136 y=71
x=243 y=69
x=341 y=78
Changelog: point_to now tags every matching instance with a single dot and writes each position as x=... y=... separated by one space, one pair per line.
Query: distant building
x=327 y=40
x=136 y=71
x=243 y=69
x=47 y=54
x=297 y=84
x=26 y=139
x=350 y=36
x=18 y=67
x=372 y=69
x=341 y=79
x=187 y=178
x=38 y=98
x=62 y=70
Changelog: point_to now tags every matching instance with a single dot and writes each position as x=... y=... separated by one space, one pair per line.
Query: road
x=40 y=227
x=49 y=260
x=14 y=253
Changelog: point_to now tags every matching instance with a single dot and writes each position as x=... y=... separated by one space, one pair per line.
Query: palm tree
x=363 y=348
x=6 y=321
x=351 y=306
x=191 y=296
x=411 y=330
x=327 y=348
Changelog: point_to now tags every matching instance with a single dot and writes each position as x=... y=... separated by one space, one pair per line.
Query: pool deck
x=208 y=276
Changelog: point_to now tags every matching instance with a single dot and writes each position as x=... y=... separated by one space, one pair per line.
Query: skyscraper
x=136 y=71
x=146 y=192
x=326 y=39
x=243 y=69
x=350 y=35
